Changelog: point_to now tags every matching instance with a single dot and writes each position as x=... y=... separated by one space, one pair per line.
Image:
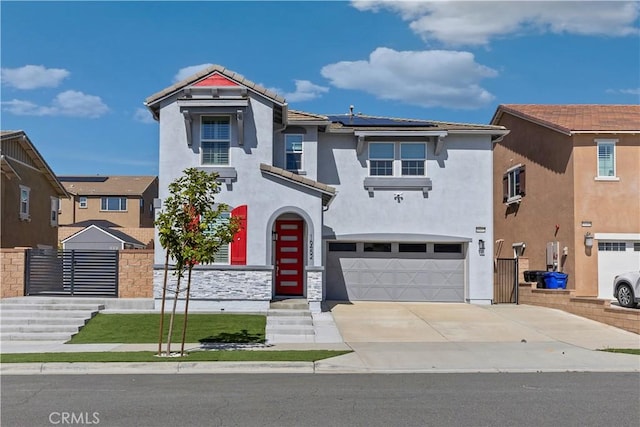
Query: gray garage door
x=383 y=271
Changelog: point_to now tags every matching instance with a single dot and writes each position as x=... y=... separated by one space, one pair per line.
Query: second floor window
x=114 y=204
x=25 y=193
x=293 y=152
x=82 y=203
x=513 y=184
x=606 y=159
x=215 y=140
x=412 y=157
x=381 y=159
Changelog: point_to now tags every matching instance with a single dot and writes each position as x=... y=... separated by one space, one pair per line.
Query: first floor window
x=381 y=159
x=114 y=204
x=293 y=152
x=25 y=194
x=222 y=256
x=513 y=183
x=215 y=140
x=606 y=159
x=412 y=157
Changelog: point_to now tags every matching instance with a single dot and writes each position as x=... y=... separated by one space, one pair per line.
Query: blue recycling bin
x=555 y=280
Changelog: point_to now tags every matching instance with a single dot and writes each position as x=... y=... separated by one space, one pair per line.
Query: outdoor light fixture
x=588 y=240
x=481 y=246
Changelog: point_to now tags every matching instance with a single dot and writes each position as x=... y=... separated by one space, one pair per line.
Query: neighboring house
x=567 y=191
x=125 y=201
x=95 y=237
x=335 y=207
x=29 y=196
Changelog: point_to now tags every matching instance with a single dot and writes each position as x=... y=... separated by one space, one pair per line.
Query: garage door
x=615 y=257
x=383 y=271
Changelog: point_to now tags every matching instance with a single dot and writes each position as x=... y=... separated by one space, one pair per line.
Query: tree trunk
x=173 y=315
x=164 y=299
x=186 y=311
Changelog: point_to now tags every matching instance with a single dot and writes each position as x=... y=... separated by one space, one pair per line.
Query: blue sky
x=75 y=74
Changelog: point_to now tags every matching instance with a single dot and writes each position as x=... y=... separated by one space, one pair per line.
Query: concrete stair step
x=10 y=329
x=289 y=330
x=66 y=321
x=35 y=336
x=84 y=314
x=52 y=307
x=288 y=313
x=290 y=321
x=290 y=304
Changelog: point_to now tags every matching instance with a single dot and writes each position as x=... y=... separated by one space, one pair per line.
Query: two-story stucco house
x=567 y=191
x=335 y=207
x=29 y=196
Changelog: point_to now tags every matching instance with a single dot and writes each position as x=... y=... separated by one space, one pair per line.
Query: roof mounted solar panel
x=83 y=178
x=368 y=121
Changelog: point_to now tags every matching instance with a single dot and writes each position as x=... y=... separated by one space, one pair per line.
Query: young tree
x=192 y=229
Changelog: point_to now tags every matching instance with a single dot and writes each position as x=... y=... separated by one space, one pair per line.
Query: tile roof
x=576 y=118
x=110 y=186
x=205 y=73
x=327 y=190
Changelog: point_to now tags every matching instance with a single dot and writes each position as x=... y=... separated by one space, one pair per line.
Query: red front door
x=289 y=261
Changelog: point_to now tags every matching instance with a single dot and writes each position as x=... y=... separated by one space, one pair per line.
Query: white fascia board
x=366 y=133
x=617 y=236
x=501 y=132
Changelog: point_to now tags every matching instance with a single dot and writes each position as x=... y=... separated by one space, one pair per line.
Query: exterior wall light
x=588 y=240
x=481 y=247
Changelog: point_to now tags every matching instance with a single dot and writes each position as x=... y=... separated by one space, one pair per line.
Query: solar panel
x=83 y=178
x=366 y=121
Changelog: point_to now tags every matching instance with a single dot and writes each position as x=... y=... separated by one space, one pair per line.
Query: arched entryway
x=289 y=257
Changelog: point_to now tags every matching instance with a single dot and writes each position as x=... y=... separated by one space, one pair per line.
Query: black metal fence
x=71 y=273
x=505 y=282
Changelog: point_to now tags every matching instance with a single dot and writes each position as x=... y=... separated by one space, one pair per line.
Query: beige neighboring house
x=567 y=191
x=122 y=202
x=29 y=196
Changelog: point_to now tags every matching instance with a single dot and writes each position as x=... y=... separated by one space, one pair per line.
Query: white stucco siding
x=460 y=200
x=263 y=195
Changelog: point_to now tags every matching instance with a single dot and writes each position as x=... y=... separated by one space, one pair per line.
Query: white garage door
x=383 y=271
x=615 y=257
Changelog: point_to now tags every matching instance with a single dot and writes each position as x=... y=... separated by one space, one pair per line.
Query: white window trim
x=517 y=198
x=396 y=162
x=55 y=207
x=299 y=171
x=204 y=116
x=25 y=216
x=598 y=177
x=83 y=202
x=114 y=197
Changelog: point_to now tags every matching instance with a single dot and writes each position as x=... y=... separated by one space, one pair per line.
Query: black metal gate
x=505 y=281
x=71 y=273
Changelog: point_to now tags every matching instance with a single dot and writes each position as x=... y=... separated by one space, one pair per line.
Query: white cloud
x=185 y=72
x=143 y=115
x=305 y=91
x=477 y=22
x=33 y=76
x=432 y=78
x=69 y=103
x=635 y=91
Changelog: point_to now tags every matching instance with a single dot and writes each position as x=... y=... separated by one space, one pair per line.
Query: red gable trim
x=216 y=80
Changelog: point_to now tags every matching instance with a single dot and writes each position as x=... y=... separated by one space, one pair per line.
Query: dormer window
x=215 y=140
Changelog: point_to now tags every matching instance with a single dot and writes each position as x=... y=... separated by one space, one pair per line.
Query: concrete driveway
x=414 y=337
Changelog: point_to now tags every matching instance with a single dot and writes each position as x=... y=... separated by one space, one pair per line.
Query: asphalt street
x=507 y=399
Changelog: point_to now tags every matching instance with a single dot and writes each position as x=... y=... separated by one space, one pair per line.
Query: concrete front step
x=290 y=304
x=23 y=336
x=35 y=313
x=44 y=329
x=65 y=321
x=288 y=313
x=57 y=307
x=290 y=321
x=290 y=330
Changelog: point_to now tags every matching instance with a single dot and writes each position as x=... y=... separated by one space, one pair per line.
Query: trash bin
x=535 y=276
x=555 y=280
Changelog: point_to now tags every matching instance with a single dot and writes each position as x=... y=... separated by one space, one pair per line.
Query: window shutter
x=505 y=187
x=522 y=180
x=239 y=243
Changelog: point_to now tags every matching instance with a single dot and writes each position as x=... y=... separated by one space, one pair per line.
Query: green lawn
x=144 y=328
x=623 y=350
x=194 y=356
